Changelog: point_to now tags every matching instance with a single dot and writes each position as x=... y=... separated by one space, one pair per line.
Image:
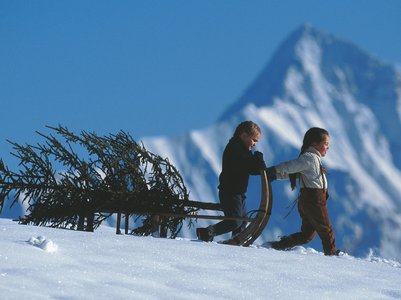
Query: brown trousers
x=315 y=218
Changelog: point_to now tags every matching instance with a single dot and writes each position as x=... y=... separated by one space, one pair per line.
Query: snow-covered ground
x=46 y=263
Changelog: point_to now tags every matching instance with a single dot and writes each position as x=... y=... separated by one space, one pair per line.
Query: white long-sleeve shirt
x=308 y=165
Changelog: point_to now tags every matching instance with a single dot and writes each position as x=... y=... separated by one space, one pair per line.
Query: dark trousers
x=233 y=205
x=315 y=219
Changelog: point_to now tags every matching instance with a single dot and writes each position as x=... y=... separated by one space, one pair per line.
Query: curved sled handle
x=255 y=229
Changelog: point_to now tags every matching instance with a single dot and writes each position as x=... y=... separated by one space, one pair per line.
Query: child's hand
x=258 y=155
x=271 y=173
x=259 y=159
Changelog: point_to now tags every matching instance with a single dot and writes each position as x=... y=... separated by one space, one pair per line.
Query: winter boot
x=205 y=234
x=284 y=243
x=339 y=253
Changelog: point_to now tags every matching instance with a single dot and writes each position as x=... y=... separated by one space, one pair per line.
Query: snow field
x=100 y=265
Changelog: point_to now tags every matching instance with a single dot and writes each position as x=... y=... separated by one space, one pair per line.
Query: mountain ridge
x=293 y=51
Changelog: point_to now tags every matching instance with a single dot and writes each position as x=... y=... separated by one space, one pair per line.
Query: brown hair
x=313 y=135
x=249 y=127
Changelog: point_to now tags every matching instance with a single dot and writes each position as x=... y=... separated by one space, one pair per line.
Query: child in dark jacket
x=238 y=164
x=313 y=196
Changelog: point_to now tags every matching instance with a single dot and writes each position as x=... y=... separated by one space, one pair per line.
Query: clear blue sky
x=156 y=67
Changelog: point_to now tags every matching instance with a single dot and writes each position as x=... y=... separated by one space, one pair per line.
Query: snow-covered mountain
x=314 y=79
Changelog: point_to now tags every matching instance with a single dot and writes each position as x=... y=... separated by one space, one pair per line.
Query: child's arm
x=244 y=162
x=257 y=163
x=293 y=166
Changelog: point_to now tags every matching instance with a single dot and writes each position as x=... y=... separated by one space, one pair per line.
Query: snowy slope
x=46 y=263
x=315 y=79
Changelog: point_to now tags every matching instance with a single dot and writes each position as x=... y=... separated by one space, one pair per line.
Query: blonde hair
x=248 y=127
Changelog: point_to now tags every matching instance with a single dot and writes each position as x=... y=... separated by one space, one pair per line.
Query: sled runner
x=255 y=228
x=244 y=238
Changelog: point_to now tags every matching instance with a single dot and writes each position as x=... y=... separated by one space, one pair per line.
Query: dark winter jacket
x=238 y=164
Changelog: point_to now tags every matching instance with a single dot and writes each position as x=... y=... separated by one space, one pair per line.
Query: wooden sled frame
x=244 y=238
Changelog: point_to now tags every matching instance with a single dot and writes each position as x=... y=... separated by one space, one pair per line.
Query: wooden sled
x=244 y=238
x=247 y=236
